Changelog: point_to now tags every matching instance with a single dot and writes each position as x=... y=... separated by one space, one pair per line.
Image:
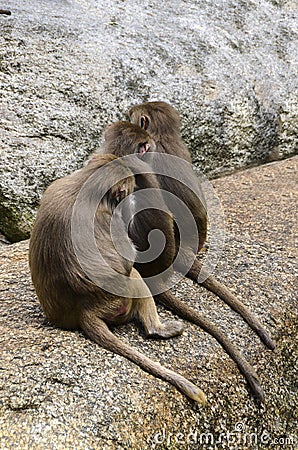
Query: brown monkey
x=162 y=123
x=123 y=138
x=119 y=138
x=5 y=12
x=60 y=255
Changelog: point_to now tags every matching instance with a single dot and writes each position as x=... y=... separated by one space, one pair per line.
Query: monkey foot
x=166 y=330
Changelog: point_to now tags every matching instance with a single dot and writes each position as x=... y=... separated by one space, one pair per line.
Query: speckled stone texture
x=70 y=68
x=59 y=390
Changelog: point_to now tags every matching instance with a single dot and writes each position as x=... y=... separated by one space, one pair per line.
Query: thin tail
x=97 y=330
x=226 y=295
x=187 y=313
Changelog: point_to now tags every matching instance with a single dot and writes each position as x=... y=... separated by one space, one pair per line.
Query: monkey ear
x=144 y=122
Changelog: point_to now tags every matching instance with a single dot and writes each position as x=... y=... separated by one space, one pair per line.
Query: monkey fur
x=121 y=139
x=70 y=298
x=162 y=123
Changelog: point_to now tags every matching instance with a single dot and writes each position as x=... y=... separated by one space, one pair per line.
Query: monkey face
x=145 y=147
x=119 y=192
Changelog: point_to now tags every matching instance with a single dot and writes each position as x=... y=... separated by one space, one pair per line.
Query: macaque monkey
x=140 y=223
x=162 y=123
x=122 y=139
x=64 y=264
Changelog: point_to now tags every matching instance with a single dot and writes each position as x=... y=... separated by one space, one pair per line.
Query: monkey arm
x=97 y=330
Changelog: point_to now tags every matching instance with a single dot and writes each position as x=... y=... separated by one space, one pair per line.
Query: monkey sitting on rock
x=123 y=139
x=81 y=280
x=162 y=122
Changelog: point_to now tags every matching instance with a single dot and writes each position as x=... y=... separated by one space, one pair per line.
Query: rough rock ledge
x=58 y=390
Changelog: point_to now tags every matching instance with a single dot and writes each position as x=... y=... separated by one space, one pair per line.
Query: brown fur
x=156 y=117
x=69 y=298
x=162 y=122
x=123 y=138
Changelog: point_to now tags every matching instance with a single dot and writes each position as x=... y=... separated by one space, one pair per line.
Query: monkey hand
x=166 y=330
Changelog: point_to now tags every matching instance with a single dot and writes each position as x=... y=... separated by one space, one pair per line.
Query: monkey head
x=157 y=118
x=124 y=138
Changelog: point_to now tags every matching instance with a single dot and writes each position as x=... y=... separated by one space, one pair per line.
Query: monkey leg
x=97 y=330
x=185 y=312
x=144 y=309
x=226 y=295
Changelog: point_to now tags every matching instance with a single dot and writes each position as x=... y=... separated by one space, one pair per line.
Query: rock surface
x=69 y=68
x=59 y=390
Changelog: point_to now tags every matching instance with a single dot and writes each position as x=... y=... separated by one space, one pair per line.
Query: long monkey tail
x=226 y=295
x=97 y=330
x=189 y=314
